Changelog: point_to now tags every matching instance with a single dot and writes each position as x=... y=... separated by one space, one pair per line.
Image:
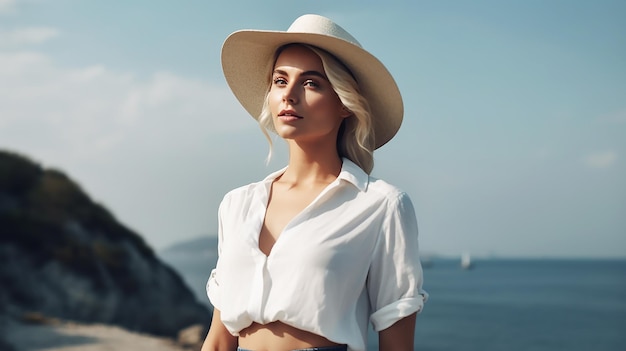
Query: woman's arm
x=398 y=337
x=219 y=338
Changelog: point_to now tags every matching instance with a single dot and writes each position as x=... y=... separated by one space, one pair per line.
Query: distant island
x=206 y=244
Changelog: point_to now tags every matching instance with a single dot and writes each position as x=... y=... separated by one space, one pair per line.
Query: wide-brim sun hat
x=247 y=59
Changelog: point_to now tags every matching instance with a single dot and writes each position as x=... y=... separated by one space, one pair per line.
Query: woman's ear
x=345 y=112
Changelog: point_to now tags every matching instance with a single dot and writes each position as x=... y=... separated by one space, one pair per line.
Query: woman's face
x=304 y=106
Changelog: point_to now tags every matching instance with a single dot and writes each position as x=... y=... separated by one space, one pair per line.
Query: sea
x=498 y=304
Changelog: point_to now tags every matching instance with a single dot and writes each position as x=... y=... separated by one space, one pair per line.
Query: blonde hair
x=355 y=139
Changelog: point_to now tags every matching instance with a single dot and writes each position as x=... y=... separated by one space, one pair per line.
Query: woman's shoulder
x=383 y=188
x=243 y=190
x=372 y=186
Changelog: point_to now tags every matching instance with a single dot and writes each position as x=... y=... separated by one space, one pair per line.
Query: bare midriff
x=278 y=336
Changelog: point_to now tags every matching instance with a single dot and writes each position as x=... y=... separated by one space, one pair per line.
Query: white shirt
x=349 y=256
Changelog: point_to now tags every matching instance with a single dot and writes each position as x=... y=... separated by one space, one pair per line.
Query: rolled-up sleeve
x=212 y=285
x=212 y=289
x=395 y=276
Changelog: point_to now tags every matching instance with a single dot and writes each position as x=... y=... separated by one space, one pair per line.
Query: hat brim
x=247 y=59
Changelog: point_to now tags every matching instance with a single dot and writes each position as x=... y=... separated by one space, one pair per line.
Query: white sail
x=466 y=261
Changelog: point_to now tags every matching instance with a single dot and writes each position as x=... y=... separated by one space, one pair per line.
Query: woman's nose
x=290 y=94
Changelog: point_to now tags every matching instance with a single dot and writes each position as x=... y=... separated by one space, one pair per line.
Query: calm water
x=524 y=305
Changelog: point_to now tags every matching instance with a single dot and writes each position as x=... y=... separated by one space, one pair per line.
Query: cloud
x=130 y=139
x=7 y=6
x=23 y=36
x=60 y=112
x=600 y=159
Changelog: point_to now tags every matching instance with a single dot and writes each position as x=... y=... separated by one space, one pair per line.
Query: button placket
x=259 y=288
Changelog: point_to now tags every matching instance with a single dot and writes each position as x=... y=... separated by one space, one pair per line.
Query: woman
x=313 y=252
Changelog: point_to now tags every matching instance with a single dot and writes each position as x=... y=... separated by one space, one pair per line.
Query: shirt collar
x=350 y=172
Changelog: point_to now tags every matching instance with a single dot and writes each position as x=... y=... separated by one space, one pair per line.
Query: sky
x=513 y=142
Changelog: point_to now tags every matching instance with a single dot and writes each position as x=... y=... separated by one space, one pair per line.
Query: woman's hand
x=398 y=337
x=219 y=338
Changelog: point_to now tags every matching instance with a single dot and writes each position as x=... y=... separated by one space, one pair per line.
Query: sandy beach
x=70 y=336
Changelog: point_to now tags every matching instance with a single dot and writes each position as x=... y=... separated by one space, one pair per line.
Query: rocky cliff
x=65 y=256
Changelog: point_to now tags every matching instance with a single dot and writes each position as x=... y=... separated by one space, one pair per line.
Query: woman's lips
x=288 y=116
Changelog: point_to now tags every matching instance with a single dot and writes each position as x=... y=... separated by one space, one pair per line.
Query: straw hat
x=247 y=59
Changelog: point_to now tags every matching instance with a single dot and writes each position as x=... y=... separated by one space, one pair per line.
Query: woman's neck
x=312 y=164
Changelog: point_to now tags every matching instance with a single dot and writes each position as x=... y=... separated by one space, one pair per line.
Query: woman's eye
x=311 y=83
x=279 y=81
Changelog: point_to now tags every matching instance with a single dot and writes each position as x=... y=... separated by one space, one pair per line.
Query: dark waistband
x=326 y=348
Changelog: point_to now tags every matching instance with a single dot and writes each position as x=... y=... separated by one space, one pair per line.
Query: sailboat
x=466 y=261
